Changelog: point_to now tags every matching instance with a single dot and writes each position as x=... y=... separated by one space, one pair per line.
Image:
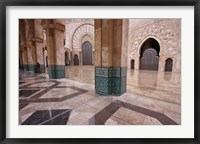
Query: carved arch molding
x=167 y=34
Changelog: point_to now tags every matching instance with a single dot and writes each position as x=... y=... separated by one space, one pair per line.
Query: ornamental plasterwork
x=163 y=30
x=78 y=34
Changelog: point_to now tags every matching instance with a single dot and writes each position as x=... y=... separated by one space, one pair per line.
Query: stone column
x=25 y=59
x=22 y=41
x=80 y=58
x=38 y=42
x=93 y=57
x=24 y=62
x=32 y=56
x=110 y=56
x=103 y=56
x=71 y=59
x=55 y=49
x=120 y=56
x=20 y=59
x=30 y=66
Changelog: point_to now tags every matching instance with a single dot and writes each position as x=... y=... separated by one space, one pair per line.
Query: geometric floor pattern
x=101 y=117
x=73 y=101
x=27 y=93
x=48 y=117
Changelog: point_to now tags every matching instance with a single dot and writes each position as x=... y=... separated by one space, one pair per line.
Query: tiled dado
x=119 y=80
x=32 y=67
x=103 y=80
x=110 y=80
x=26 y=67
x=42 y=67
x=56 y=71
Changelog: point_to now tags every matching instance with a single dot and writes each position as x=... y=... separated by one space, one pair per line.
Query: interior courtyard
x=99 y=71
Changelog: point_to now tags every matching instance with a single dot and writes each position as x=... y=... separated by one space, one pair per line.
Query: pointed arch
x=149 y=54
x=168 y=64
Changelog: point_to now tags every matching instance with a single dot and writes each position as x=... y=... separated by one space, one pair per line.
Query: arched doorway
x=168 y=64
x=76 y=60
x=132 y=64
x=149 y=55
x=87 y=53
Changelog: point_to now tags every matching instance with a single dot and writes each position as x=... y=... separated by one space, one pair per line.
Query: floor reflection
x=159 y=85
x=152 y=98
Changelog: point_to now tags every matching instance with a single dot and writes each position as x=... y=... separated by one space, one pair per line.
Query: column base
x=25 y=67
x=56 y=71
x=119 y=80
x=103 y=81
x=110 y=81
x=30 y=67
x=42 y=67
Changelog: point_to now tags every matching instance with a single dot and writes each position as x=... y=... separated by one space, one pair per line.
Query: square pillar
x=38 y=43
x=30 y=66
x=55 y=49
x=111 y=56
x=24 y=59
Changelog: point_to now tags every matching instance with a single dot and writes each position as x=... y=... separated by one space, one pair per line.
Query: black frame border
x=4 y=3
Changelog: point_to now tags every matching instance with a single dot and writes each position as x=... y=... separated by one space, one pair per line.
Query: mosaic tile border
x=42 y=68
x=26 y=67
x=103 y=85
x=32 y=68
x=103 y=72
x=110 y=80
x=56 y=71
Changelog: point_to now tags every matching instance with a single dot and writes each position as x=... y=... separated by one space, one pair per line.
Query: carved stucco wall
x=76 y=32
x=168 y=34
x=166 y=31
x=72 y=25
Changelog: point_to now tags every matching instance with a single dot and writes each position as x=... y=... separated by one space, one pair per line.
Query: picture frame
x=3 y=76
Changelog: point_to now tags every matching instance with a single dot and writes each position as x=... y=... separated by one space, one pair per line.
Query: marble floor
x=152 y=98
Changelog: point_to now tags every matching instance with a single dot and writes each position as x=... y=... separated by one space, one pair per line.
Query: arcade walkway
x=152 y=98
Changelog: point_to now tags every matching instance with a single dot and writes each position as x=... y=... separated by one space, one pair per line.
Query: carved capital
x=26 y=47
x=37 y=39
x=57 y=26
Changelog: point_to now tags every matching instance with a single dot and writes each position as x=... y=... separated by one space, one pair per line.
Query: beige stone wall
x=168 y=34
